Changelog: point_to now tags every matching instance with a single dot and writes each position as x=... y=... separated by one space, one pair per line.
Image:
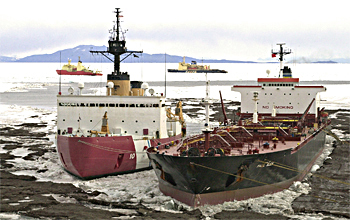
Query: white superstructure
x=282 y=95
x=139 y=116
x=285 y=95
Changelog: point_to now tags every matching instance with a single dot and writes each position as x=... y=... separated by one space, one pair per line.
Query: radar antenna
x=116 y=44
x=281 y=52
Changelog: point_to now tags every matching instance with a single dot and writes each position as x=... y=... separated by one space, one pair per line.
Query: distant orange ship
x=69 y=69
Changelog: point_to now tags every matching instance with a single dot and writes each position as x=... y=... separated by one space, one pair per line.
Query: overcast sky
x=239 y=30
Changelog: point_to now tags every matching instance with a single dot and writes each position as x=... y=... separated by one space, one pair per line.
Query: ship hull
x=93 y=157
x=79 y=73
x=198 y=181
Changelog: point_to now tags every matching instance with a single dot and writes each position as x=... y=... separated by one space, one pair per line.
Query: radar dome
x=110 y=85
x=81 y=85
x=144 y=85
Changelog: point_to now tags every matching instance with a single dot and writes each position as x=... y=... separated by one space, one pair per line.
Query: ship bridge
x=282 y=95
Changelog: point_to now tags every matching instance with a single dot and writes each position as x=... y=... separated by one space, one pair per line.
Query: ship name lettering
x=284 y=107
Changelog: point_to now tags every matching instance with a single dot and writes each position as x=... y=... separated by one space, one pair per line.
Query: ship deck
x=260 y=145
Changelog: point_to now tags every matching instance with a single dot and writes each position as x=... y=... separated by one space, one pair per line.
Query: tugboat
x=131 y=119
x=278 y=137
x=194 y=68
x=69 y=69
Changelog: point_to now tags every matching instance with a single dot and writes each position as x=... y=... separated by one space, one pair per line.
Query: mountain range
x=83 y=51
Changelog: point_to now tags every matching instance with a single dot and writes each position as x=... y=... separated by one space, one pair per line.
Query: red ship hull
x=79 y=73
x=92 y=157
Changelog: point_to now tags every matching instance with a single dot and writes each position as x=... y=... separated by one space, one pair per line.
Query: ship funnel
x=136 y=88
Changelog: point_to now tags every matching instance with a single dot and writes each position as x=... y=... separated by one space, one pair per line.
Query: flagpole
x=59 y=87
x=165 y=76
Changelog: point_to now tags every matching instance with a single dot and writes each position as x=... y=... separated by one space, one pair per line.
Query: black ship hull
x=197 y=181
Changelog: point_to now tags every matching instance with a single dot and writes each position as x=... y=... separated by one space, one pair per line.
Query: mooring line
x=220 y=171
x=108 y=148
x=283 y=166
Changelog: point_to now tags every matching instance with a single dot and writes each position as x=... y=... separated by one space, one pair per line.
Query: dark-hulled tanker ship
x=279 y=136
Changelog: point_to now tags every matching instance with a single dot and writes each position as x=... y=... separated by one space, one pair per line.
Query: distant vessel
x=195 y=68
x=130 y=122
x=280 y=134
x=69 y=69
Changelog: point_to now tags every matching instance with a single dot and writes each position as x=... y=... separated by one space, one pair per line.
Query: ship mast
x=281 y=53
x=119 y=82
x=116 y=45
